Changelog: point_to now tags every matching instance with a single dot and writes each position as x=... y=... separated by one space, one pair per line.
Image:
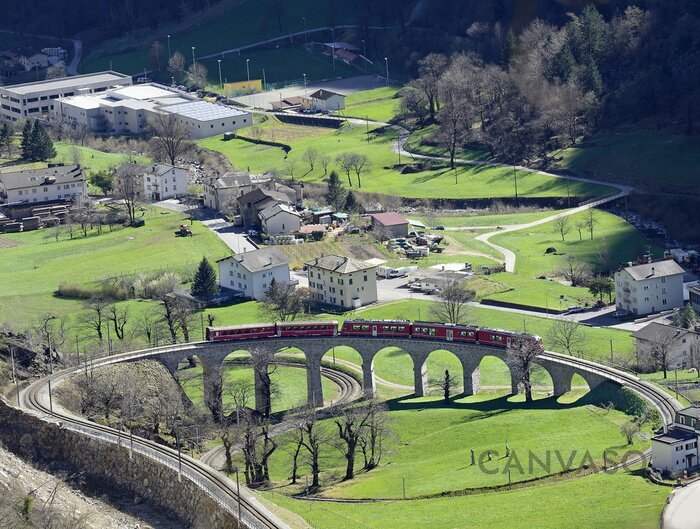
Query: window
x=365 y=278
x=663 y=279
x=350 y=281
x=663 y=290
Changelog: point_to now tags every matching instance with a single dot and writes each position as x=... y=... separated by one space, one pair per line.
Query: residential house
x=342 y=281
x=253 y=202
x=649 y=288
x=60 y=182
x=220 y=191
x=30 y=100
x=152 y=183
x=680 y=346
x=676 y=450
x=326 y=100
x=694 y=297
x=291 y=103
x=279 y=218
x=250 y=273
x=390 y=224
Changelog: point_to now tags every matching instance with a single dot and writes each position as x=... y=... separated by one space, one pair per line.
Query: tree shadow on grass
x=498 y=404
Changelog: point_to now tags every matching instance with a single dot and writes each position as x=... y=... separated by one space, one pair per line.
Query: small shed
x=390 y=224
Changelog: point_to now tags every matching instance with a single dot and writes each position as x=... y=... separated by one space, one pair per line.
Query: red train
x=421 y=330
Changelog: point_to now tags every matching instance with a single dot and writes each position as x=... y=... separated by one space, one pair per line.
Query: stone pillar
x=513 y=383
x=561 y=380
x=420 y=376
x=314 y=387
x=368 y=377
x=471 y=376
x=262 y=387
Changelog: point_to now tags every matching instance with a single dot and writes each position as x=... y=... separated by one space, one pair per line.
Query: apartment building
x=152 y=183
x=250 y=273
x=342 y=281
x=32 y=186
x=649 y=288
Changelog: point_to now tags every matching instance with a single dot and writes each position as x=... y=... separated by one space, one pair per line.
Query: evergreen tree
x=5 y=136
x=351 y=203
x=336 y=193
x=26 y=143
x=204 y=285
x=103 y=180
x=685 y=317
x=42 y=148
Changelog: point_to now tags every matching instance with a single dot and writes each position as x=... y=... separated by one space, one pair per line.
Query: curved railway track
x=220 y=488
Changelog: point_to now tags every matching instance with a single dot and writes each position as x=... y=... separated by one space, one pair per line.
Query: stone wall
x=42 y=441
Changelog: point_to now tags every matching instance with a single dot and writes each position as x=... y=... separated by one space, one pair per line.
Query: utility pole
x=386 y=62
x=403 y=483
x=193 y=61
x=264 y=81
x=221 y=84
x=304 y=85
x=168 y=47
x=50 y=398
x=238 y=495
x=14 y=374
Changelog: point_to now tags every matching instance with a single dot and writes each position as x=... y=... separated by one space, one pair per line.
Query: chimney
x=653 y=270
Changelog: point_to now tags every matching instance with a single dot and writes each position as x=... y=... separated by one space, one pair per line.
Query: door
x=449 y=335
x=374 y=330
x=508 y=341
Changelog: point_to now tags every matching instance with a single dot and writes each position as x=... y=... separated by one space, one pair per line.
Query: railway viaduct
x=212 y=355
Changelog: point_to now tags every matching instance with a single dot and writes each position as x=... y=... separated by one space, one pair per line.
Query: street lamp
x=168 y=47
x=386 y=62
x=304 y=84
x=193 y=61
x=221 y=84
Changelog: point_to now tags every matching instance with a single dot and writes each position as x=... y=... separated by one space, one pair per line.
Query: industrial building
x=33 y=100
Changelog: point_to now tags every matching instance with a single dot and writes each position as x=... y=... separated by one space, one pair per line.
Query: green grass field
x=415 y=144
x=612 y=235
x=379 y=104
x=652 y=159
x=289 y=384
x=480 y=220
x=613 y=501
x=31 y=272
x=472 y=181
x=244 y=23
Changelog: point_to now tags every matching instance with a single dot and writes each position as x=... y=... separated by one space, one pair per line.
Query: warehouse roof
x=390 y=218
x=203 y=111
x=76 y=81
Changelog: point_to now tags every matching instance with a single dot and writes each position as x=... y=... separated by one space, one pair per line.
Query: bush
x=77 y=291
x=318 y=235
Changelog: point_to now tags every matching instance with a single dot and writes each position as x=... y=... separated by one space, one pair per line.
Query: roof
x=664 y=268
x=416 y=223
x=340 y=263
x=259 y=260
x=324 y=94
x=203 y=111
x=375 y=261
x=258 y=195
x=142 y=91
x=390 y=218
x=691 y=411
x=61 y=174
x=310 y=228
x=657 y=331
x=158 y=169
x=675 y=435
x=76 y=81
x=276 y=208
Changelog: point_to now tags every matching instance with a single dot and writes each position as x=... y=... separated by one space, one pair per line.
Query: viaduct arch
x=212 y=357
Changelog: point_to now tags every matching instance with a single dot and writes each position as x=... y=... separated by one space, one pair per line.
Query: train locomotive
x=418 y=330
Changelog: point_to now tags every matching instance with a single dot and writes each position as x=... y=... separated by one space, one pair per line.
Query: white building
x=342 y=281
x=280 y=218
x=39 y=98
x=251 y=273
x=679 y=345
x=153 y=182
x=649 y=288
x=221 y=191
x=127 y=110
x=677 y=449
x=327 y=100
x=63 y=182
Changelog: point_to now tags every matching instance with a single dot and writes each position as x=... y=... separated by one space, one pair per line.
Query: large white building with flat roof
x=33 y=100
x=126 y=111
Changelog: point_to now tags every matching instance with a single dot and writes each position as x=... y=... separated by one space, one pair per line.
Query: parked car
x=619 y=314
x=575 y=309
x=440 y=227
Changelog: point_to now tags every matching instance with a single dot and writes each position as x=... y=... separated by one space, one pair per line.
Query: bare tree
x=591 y=221
x=694 y=358
x=359 y=163
x=351 y=422
x=128 y=189
x=520 y=354
x=197 y=75
x=453 y=303
x=312 y=437
x=325 y=161
x=258 y=447
x=566 y=335
x=562 y=226
x=171 y=136
x=95 y=315
x=176 y=65
x=148 y=325
x=630 y=430
x=374 y=435
x=310 y=156
x=661 y=351
x=345 y=160
x=414 y=101
x=118 y=315
x=431 y=68
x=290 y=166
x=576 y=272
x=580 y=226
x=445 y=385
x=285 y=302
x=162 y=290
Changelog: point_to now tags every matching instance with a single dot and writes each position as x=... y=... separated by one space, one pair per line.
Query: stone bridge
x=212 y=355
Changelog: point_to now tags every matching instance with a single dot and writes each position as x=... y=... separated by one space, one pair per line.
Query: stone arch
x=351 y=358
x=560 y=375
x=493 y=368
x=443 y=359
x=395 y=365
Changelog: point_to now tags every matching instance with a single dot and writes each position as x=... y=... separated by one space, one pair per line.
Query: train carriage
x=306 y=328
x=376 y=328
x=443 y=331
x=240 y=332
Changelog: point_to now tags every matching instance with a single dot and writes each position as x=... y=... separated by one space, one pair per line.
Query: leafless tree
x=109 y=388
x=325 y=161
x=183 y=312
x=375 y=434
x=351 y=422
x=345 y=160
x=258 y=447
x=310 y=156
x=311 y=436
x=176 y=65
x=148 y=325
x=694 y=358
x=256 y=132
x=566 y=335
x=171 y=138
x=520 y=354
x=127 y=189
x=445 y=385
x=591 y=221
x=118 y=316
x=630 y=430
x=414 y=102
x=580 y=226
x=431 y=68
x=154 y=55
x=197 y=75
x=285 y=302
x=562 y=226
x=661 y=351
x=453 y=302
x=290 y=166
x=162 y=290
x=95 y=315
x=359 y=163
x=455 y=124
x=576 y=272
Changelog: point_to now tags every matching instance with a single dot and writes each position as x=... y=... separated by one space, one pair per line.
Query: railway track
x=253 y=514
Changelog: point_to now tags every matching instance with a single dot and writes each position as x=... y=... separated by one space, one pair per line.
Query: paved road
x=233 y=237
x=683 y=511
